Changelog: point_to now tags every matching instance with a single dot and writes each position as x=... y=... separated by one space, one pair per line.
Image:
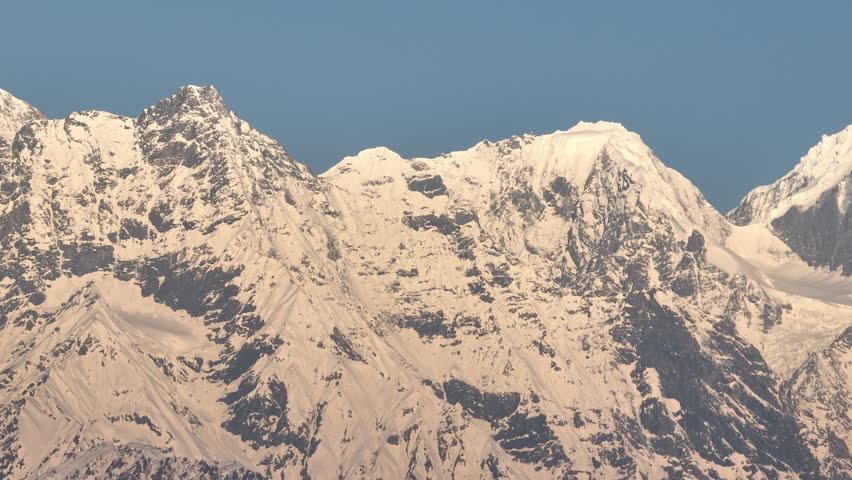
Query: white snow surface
x=15 y=114
x=822 y=299
x=472 y=174
x=320 y=257
x=825 y=166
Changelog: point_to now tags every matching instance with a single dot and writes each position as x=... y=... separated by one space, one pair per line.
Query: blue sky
x=731 y=94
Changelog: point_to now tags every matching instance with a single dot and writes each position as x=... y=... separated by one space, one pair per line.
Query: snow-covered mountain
x=15 y=114
x=809 y=207
x=807 y=213
x=179 y=298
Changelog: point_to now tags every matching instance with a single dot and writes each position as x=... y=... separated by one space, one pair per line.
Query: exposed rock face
x=820 y=233
x=181 y=299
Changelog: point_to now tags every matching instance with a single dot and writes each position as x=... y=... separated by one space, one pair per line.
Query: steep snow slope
x=825 y=166
x=791 y=226
x=809 y=207
x=529 y=172
x=185 y=202
x=179 y=297
x=591 y=216
x=562 y=160
x=815 y=304
x=117 y=372
x=15 y=114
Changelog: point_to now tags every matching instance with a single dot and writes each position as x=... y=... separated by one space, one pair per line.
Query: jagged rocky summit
x=179 y=298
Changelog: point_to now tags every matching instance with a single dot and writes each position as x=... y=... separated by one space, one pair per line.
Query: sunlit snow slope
x=798 y=232
x=179 y=298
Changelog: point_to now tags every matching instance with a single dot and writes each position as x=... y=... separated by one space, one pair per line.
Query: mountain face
x=179 y=298
x=820 y=392
x=809 y=207
x=15 y=114
x=809 y=210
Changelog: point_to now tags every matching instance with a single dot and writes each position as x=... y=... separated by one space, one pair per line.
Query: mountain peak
x=832 y=152
x=14 y=114
x=198 y=95
x=189 y=100
x=586 y=153
x=599 y=126
x=825 y=166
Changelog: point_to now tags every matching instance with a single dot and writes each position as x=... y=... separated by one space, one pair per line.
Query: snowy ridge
x=180 y=298
x=825 y=166
x=571 y=155
x=809 y=207
x=14 y=114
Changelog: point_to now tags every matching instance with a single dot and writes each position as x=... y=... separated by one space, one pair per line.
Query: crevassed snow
x=820 y=300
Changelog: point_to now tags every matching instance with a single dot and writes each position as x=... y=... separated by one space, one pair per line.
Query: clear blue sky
x=731 y=94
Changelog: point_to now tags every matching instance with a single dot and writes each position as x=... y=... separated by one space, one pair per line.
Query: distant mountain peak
x=14 y=114
x=825 y=166
x=599 y=126
x=809 y=207
x=195 y=95
x=187 y=101
x=585 y=155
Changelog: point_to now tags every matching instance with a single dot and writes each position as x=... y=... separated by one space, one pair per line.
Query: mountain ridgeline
x=180 y=298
